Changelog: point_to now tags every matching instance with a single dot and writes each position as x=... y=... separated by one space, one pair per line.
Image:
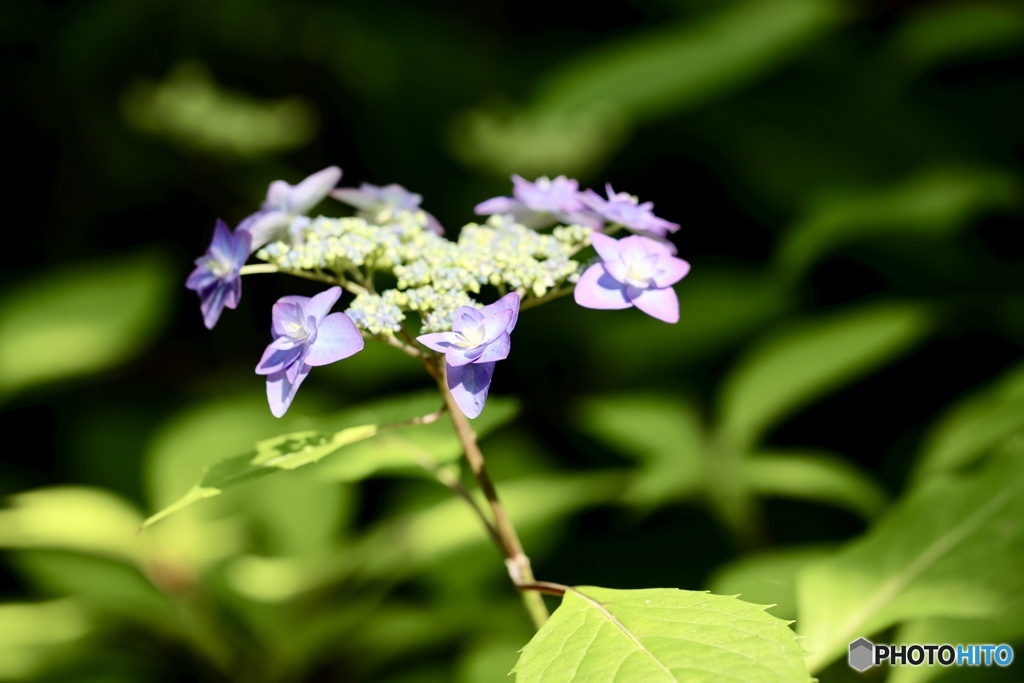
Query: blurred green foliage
x=833 y=427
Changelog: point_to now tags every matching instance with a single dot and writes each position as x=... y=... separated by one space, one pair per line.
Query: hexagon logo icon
x=862 y=654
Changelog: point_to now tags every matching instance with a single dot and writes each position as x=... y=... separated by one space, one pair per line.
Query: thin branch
x=546 y=587
x=391 y=341
x=550 y=296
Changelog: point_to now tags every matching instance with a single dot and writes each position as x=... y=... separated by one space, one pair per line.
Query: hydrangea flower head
x=634 y=271
x=541 y=203
x=285 y=202
x=305 y=336
x=379 y=204
x=626 y=210
x=216 y=277
x=479 y=338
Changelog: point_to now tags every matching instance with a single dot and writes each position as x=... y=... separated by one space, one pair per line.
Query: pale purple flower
x=479 y=338
x=626 y=210
x=216 y=277
x=305 y=336
x=379 y=203
x=285 y=202
x=542 y=203
x=634 y=271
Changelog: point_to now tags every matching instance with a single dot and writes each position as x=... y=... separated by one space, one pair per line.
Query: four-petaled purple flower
x=304 y=336
x=626 y=210
x=216 y=277
x=542 y=203
x=379 y=203
x=479 y=338
x=634 y=271
x=285 y=202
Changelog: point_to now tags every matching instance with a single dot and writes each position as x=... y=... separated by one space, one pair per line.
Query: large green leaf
x=74 y=320
x=664 y=433
x=974 y=425
x=952 y=548
x=934 y=202
x=806 y=360
x=819 y=477
x=599 y=635
x=33 y=634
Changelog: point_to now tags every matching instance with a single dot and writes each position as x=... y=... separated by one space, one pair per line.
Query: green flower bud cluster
x=430 y=275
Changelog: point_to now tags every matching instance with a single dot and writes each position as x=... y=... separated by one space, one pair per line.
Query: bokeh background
x=848 y=178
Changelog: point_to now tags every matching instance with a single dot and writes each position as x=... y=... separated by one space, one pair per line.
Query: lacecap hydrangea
x=450 y=303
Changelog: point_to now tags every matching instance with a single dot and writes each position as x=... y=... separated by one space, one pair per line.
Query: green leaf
x=974 y=426
x=76 y=320
x=662 y=432
x=954 y=31
x=952 y=548
x=819 y=477
x=33 y=634
x=805 y=360
x=285 y=452
x=417 y=447
x=583 y=108
x=768 y=578
x=1005 y=627
x=937 y=201
x=72 y=518
x=599 y=635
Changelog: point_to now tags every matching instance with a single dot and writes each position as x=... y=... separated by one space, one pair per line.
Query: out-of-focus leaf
x=190 y=108
x=424 y=537
x=664 y=433
x=974 y=425
x=32 y=634
x=489 y=657
x=768 y=578
x=75 y=320
x=819 y=477
x=282 y=453
x=599 y=635
x=951 y=31
x=951 y=548
x=936 y=201
x=72 y=518
x=794 y=366
x=420 y=446
x=1005 y=627
x=716 y=308
x=582 y=107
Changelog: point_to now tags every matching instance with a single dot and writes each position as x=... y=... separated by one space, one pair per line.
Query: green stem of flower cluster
x=516 y=561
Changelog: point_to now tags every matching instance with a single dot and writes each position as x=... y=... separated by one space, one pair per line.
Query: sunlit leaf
x=599 y=635
x=934 y=202
x=662 y=432
x=31 y=634
x=75 y=320
x=819 y=477
x=974 y=425
x=282 y=453
x=190 y=108
x=794 y=366
x=72 y=518
x=768 y=578
x=951 y=548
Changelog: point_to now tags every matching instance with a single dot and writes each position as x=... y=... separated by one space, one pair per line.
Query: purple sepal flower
x=634 y=271
x=284 y=202
x=305 y=336
x=216 y=277
x=380 y=202
x=479 y=338
x=542 y=203
x=626 y=210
